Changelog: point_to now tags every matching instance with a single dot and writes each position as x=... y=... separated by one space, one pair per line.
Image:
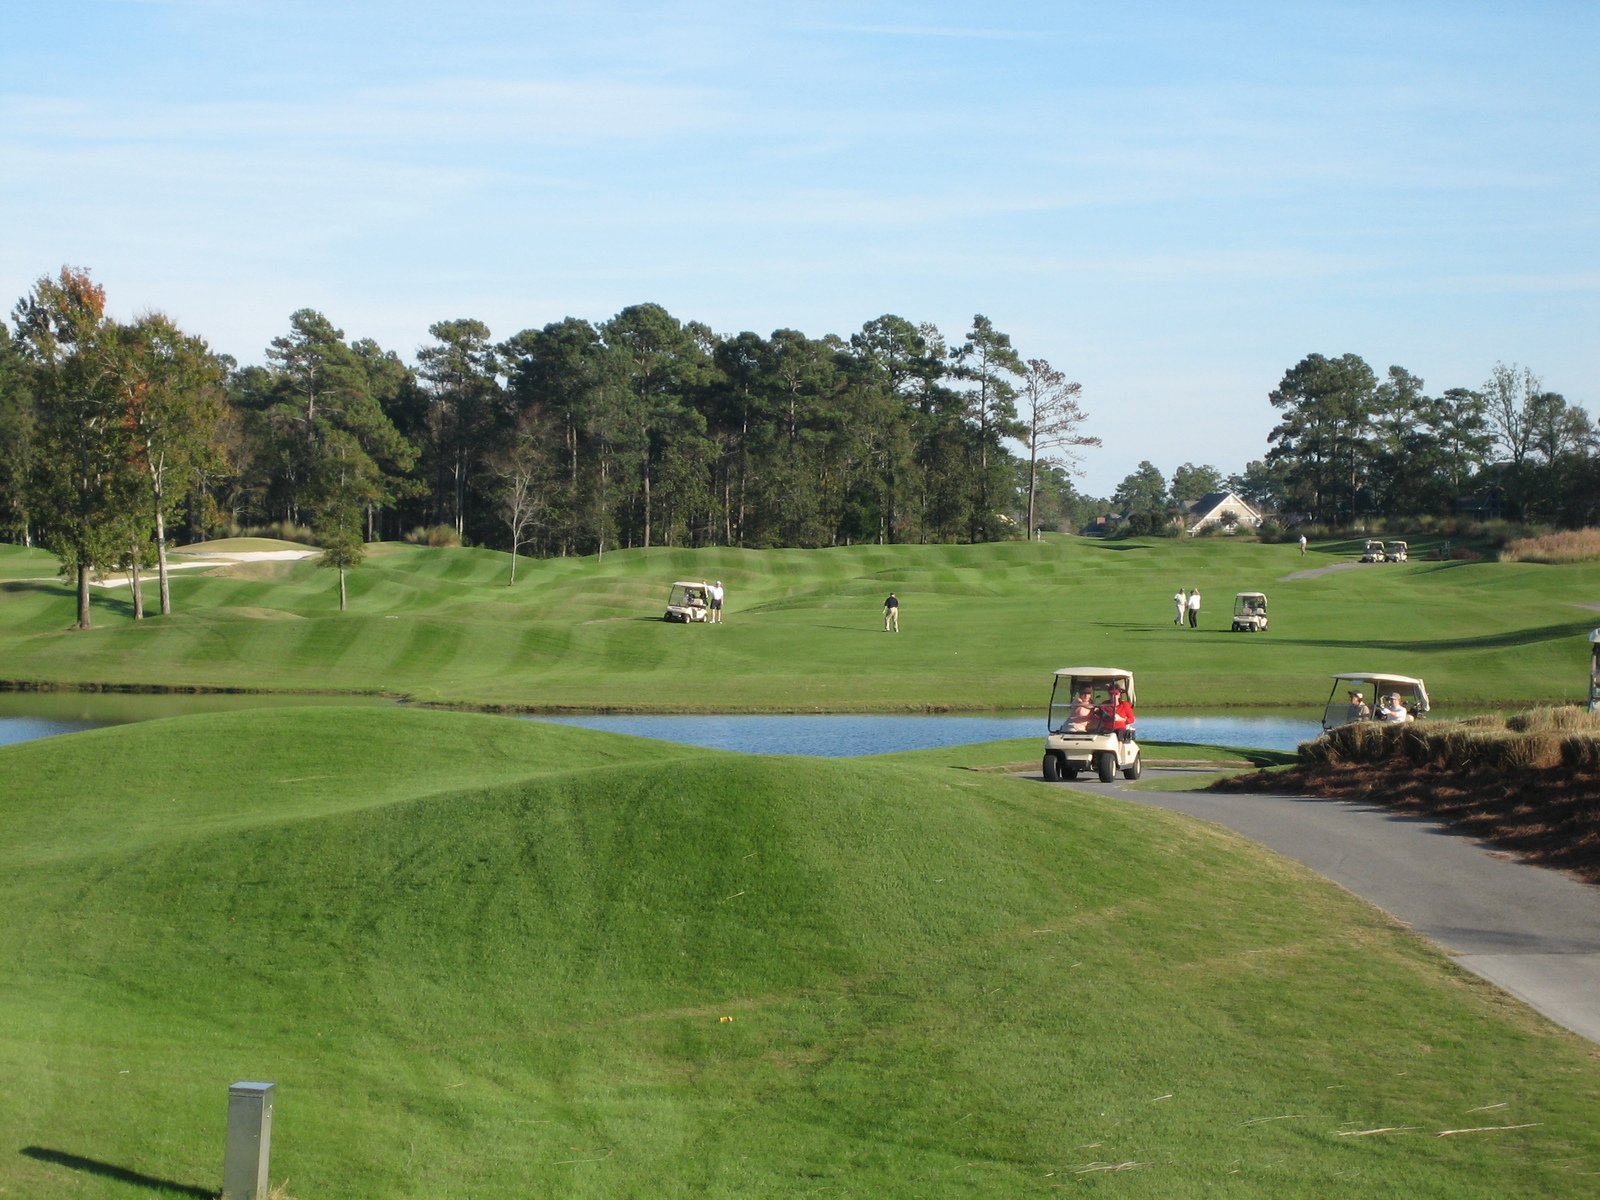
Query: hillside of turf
x=489 y=958
x=983 y=627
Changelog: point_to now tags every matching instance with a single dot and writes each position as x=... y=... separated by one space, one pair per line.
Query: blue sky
x=1172 y=203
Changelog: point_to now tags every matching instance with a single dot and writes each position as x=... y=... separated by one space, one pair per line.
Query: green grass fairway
x=491 y=958
x=983 y=627
x=18 y=563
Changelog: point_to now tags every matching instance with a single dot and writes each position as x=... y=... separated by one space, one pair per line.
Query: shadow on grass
x=1513 y=637
x=104 y=1170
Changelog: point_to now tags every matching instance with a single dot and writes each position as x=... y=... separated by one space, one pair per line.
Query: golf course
x=483 y=957
x=982 y=627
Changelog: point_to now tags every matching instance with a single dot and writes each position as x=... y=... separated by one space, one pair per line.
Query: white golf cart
x=1359 y=696
x=1250 y=612
x=1082 y=731
x=1396 y=551
x=1373 y=551
x=689 y=600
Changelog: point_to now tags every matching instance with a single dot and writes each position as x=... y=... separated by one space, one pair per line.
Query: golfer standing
x=1302 y=545
x=1194 y=609
x=716 y=603
x=1181 y=602
x=891 y=614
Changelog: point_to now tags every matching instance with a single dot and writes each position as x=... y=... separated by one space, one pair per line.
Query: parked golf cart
x=1250 y=612
x=1081 y=733
x=1396 y=551
x=687 y=601
x=1373 y=551
x=1371 y=686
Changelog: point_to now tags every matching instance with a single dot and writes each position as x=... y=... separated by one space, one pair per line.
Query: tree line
x=574 y=438
x=646 y=430
x=1349 y=446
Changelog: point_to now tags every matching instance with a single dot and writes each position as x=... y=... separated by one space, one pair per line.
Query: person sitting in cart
x=1116 y=714
x=1082 y=709
x=1392 y=710
x=1358 y=708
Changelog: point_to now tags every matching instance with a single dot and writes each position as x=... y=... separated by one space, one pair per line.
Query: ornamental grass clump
x=1566 y=718
x=1540 y=739
x=1568 y=546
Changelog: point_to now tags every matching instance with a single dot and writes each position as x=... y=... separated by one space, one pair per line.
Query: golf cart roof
x=1379 y=677
x=1095 y=672
x=1242 y=595
x=690 y=583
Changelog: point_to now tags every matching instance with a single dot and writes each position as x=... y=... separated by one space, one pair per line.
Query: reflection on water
x=849 y=736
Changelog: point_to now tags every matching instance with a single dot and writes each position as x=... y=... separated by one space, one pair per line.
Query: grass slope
x=983 y=626
x=490 y=958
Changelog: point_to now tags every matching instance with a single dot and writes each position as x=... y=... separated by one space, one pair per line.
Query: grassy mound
x=490 y=958
x=983 y=626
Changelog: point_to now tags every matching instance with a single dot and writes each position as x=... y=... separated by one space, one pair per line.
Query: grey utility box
x=244 y=1166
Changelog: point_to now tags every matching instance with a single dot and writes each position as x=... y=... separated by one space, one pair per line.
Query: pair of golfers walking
x=1186 y=604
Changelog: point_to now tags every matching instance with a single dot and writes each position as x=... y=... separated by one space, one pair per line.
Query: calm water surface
x=25 y=716
x=848 y=736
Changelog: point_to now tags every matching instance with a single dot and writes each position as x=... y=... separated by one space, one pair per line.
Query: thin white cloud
x=951 y=32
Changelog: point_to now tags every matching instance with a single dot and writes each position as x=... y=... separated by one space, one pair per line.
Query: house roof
x=1209 y=504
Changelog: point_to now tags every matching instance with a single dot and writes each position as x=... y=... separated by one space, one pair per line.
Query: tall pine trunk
x=135 y=584
x=83 y=597
x=161 y=562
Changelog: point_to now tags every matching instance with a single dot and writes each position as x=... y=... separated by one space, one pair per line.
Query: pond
x=824 y=736
x=25 y=716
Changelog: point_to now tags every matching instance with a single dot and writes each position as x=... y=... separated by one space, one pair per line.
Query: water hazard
x=823 y=736
x=26 y=716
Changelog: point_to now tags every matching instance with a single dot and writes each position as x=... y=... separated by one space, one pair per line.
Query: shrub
x=1566 y=718
x=284 y=531
x=1572 y=546
x=434 y=535
x=1540 y=739
x=1579 y=753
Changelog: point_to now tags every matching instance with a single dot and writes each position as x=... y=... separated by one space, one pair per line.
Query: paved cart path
x=1530 y=930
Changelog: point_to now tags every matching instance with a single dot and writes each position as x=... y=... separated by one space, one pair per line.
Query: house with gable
x=1223 y=510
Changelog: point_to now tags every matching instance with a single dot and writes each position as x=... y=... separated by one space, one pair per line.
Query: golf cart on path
x=1250 y=612
x=688 y=601
x=1357 y=696
x=1396 y=551
x=1373 y=551
x=1084 y=730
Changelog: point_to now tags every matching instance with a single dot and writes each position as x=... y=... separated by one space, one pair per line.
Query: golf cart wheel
x=1135 y=768
x=1105 y=764
x=1052 y=768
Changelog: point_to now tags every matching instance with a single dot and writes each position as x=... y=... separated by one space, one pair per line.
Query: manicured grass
x=491 y=958
x=983 y=628
x=18 y=562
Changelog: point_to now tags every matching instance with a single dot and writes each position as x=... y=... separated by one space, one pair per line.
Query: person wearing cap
x=891 y=614
x=1358 y=708
x=716 y=603
x=1392 y=710
x=1116 y=714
